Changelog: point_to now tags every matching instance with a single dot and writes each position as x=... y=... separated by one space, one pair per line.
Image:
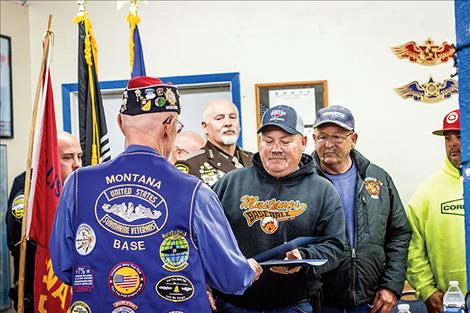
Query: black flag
x=93 y=131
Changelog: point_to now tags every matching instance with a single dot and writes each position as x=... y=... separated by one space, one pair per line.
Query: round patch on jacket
x=175 y=288
x=131 y=210
x=17 y=207
x=80 y=307
x=174 y=251
x=85 y=239
x=126 y=280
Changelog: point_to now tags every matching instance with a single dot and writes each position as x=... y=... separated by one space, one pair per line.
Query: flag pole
x=21 y=274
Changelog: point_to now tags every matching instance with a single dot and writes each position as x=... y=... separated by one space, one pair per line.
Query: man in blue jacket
x=135 y=234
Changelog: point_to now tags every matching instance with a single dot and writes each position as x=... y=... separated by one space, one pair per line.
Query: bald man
x=186 y=144
x=137 y=229
x=70 y=158
x=220 y=155
x=70 y=154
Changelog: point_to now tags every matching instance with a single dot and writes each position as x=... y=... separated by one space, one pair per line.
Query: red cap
x=143 y=81
x=451 y=122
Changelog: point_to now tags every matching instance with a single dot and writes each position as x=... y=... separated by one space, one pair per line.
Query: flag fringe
x=133 y=20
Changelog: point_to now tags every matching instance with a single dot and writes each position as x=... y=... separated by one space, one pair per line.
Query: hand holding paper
x=285 y=270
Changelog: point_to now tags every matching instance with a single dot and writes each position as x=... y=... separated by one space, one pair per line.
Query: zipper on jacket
x=365 y=214
x=353 y=249
x=353 y=275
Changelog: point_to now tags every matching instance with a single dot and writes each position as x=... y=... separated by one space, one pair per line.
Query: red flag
x=50 y=294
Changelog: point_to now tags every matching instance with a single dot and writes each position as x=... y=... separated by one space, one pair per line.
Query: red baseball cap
x=451 y=122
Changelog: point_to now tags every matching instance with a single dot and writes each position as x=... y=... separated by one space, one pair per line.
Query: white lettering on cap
x=334 y=114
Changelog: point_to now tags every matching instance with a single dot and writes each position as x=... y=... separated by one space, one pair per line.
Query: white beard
x=229 y=139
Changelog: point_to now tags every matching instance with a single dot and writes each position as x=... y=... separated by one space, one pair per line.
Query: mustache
x=228 y=129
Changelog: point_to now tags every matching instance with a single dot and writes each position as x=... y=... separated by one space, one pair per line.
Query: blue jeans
x=365 y=308
x=226 y=307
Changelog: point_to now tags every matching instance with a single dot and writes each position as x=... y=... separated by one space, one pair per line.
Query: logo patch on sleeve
x=174 y=251
x=183 y=168
x=126 y=280
x=175 y=288
x=17 y=207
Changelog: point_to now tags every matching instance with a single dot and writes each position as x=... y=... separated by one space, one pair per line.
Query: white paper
x=302 y=100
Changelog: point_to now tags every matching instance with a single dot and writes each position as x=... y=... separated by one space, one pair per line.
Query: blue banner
x=462 y=23
x=139 y=65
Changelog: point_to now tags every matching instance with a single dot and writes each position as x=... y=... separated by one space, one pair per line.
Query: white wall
x=15 y=23
x=346 y=43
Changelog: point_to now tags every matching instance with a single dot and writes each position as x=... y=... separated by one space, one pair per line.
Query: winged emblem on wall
x=429 y=92
x=427 y=54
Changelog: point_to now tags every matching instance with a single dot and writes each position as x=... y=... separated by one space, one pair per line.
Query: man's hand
x=284 y=270
x=210 y=297
x=435 y=302
x=384 y=301
x=255 y=267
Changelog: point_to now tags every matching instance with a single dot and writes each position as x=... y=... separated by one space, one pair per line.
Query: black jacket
x=265 y=212
x=383 y=235
x=13 y=220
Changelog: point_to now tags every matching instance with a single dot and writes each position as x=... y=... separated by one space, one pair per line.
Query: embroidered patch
x=126 y=280
x=85 y=239
x=131 y=210
x=170 y=96
x=80 y=307
x=183 y=168
x=17 y=207
x=145 y=105
x=124 y=306
x=174 y=251
x=160 y=102
x=175 y=288
x=270 y=212
x=372 y=186
x=83 y=280
x=150 y=93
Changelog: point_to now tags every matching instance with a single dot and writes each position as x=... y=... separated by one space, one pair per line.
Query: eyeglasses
x=179 y=125
x=334 y=138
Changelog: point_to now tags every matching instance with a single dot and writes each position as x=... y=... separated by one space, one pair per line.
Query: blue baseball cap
x=284 y=117
x=335 y=114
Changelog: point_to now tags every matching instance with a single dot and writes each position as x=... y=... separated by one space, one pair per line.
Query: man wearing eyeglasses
x=372 y=269
x=135 y=232
x=220 y=155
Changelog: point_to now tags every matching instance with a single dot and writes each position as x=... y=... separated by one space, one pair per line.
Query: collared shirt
x=211 y=228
